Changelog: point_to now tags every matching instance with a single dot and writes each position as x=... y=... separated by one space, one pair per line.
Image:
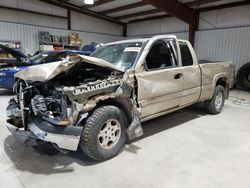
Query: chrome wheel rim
x=109 y=134
x=218 y=101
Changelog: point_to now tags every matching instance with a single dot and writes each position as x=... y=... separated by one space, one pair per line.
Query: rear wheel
x=243 y=77
x=104 y=133
x=215 y=105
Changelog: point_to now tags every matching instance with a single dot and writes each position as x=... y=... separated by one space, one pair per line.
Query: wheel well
x=15 y=79
x=123 y=103
x=222 y=82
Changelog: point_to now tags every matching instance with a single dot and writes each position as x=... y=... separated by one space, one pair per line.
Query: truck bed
x=214 y=70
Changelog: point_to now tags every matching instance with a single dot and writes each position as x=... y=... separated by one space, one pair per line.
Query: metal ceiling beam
x=174 y=8
x=193 y=3
x=201 y=2
x=96 y=3
x=137 y=14
x=33 y=12
x=180 y=11
x=130 y=6
x=126 y=7
x=150 y=18
x=62 y=1
x=229 y=5
x=78 y=9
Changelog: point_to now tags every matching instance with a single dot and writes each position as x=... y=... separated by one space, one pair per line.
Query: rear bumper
x=64 y=137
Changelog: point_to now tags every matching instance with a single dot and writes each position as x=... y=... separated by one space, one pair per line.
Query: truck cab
x=168 y=75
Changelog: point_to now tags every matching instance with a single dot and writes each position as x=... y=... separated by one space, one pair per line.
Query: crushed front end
x=42 y=117
x=52 y=103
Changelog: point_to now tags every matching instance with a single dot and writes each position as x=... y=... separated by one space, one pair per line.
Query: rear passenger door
x=191 y=74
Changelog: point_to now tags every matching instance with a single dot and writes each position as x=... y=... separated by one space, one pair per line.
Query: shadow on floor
x=40 y=161
x=171 y=120
x=43 y=159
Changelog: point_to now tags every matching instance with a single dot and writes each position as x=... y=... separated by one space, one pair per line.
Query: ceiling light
x=89 y=2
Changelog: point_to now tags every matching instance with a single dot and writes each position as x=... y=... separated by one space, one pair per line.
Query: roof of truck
x=142 y=39
x=129 y=40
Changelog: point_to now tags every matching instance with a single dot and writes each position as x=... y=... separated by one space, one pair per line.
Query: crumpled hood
x=48 y=71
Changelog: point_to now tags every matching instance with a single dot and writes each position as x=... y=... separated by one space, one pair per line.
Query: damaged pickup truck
x=97 y=103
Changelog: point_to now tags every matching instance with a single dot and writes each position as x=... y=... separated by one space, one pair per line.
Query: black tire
x=211 y=105
x=14 y=89
x=243 y=77
x=90 y=141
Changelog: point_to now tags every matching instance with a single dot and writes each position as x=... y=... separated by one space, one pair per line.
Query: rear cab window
x=186 y=56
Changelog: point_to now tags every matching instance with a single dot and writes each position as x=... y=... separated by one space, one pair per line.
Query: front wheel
x=215 y=105
x=104 y=133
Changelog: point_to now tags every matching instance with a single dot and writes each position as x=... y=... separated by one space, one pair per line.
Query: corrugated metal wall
x=86 y=23
x=28 y=35
x=232 y=44
x=224 y=44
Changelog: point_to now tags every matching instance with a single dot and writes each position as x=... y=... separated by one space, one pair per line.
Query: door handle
x=178 y=76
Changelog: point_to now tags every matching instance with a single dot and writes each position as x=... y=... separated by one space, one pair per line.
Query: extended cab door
x=191 y=74
x=159 y=78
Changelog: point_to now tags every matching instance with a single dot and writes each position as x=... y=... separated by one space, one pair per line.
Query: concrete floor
x=188 y=148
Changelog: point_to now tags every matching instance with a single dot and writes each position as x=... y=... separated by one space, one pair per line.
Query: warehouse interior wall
x=28 y=35
x=159 y=26
x=230 y=44
x=217 y=19
x=230 y=24
x=225 y=18
x=223 y=35
x=23 y=26
x=32 y=19
x=82 y=22
x=34 y=5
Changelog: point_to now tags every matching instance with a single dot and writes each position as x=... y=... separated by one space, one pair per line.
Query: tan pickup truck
x=98 y=102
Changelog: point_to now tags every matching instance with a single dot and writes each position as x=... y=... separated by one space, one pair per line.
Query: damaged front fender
x=124 y=98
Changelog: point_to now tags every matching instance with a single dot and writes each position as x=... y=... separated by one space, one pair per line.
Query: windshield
x=122 y=55
x=37 y=59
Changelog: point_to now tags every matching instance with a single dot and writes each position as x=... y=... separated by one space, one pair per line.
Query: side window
x=160 y=56
x=57 y=56
x=187 y=59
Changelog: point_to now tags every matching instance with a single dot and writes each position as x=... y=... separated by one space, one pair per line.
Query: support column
x=69 y=19
x=124 y=32
x=193 y=25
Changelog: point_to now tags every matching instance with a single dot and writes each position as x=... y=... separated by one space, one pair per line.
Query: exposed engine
x=57 y=104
